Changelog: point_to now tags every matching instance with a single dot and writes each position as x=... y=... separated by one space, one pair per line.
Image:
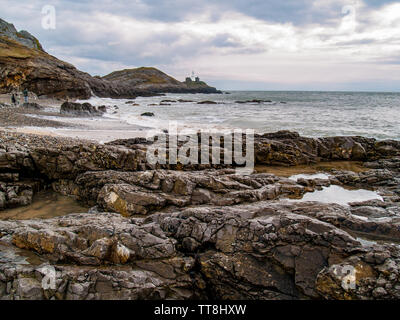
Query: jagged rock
x=259 y=251
x=145 y=192
x=206 y=234
x=23 y=37
x=90 y=239
x=289 y=148
x=29 y=289
x=147 y=114
x=82 y=110
x=17 y=194
x=168 y=280
x=58 y=159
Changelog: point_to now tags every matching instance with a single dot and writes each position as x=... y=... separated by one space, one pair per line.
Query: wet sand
x=17 y=117
x=46 y=102
x=50 y=122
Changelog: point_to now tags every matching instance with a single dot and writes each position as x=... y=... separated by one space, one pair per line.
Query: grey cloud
x=72 y=39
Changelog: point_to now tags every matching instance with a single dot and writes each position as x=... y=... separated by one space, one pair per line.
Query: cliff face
x=23 y=67
x=43 y=74
x=152 y=79
x=23 y=37
x=24 y=64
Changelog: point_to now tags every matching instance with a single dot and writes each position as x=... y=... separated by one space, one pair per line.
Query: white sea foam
x=314 y=114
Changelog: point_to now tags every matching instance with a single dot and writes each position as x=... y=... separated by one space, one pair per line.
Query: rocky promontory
x=200 y=232
x=151 y=79
x=25 y=64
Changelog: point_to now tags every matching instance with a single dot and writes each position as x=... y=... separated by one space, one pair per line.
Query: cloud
x=295 y=44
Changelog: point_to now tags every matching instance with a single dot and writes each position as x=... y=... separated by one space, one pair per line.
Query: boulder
x=147 y=114
x=82 y=110
x=207 y=102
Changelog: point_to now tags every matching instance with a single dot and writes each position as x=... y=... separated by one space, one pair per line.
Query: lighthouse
x=192 y=78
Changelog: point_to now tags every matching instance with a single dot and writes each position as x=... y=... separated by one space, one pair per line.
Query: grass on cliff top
x=146 y=75
x=194 y=84
x=12 y=49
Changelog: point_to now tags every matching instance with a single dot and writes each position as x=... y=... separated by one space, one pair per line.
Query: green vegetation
x=12 y=49
x=194 y=84
x=142 y=75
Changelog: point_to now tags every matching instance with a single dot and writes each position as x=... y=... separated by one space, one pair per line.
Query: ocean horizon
x=311 y=113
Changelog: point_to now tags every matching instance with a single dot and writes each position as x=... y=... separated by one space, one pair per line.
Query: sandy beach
x=50 y=122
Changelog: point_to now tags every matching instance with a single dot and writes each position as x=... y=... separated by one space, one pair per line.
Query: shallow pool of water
x=45 y=205
x=339 y=195
x=16 y=256
x=311 y=169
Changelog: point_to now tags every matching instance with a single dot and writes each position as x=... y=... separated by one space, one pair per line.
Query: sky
x=331 y=45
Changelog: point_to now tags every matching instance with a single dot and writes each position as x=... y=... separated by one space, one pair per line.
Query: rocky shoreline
x=199 y=232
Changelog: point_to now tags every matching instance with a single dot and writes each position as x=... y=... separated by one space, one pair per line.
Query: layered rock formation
x=201 y=233
x=258 y=251
x=82 y=109
x=45 y=75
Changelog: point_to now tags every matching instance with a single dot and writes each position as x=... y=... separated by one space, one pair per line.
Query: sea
x=312 y=114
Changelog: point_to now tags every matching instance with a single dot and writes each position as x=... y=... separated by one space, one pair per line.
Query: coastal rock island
x=151 y=79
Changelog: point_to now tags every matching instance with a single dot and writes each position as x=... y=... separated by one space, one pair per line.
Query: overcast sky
x=232 y=44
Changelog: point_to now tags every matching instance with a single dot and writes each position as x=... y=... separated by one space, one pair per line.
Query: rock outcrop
x=246 y=252
x=147 y=114
x=203 y=232
x=23 y=37
x=151 y=79
x=82 y=109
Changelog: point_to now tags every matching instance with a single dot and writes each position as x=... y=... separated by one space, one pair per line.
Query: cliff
x=43 y=74
x=23 y=37
x=24 y=64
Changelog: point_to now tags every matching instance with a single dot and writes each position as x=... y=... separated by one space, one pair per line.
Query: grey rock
x=29 y=289
x=23 y=37
x=147 y=114
x=84 y=110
